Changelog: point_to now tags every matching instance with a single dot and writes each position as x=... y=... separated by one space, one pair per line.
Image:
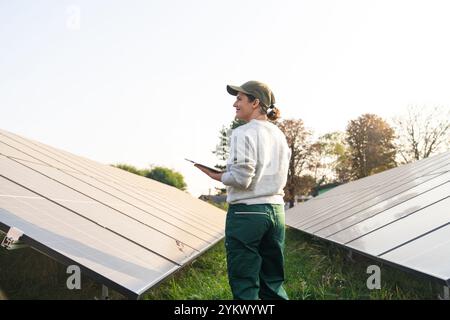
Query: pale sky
x=143 y=82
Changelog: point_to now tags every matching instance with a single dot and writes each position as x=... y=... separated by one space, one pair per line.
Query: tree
x=422 y=132
x=132 y=169
x=161 y=174
x=128 y=168
x=337 y=151
x=303 y=185
x=167 y=176
x=371 y=145
x=329 y=158
x=299 y=142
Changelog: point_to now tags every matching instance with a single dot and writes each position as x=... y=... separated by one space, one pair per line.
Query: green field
x=314 y=270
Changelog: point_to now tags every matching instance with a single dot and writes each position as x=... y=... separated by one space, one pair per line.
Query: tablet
x=203 y=166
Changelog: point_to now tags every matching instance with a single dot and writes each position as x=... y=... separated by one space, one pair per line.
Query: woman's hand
x=213 y=175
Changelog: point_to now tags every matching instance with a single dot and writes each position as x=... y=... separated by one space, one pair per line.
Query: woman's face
x=244 y=108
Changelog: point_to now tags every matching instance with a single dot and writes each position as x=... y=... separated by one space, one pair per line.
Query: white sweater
x=258 y=163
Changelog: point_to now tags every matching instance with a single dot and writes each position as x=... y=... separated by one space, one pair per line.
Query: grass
x=314 y=270
x=320 y=270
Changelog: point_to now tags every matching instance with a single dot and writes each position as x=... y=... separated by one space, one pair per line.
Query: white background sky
x=143 y=82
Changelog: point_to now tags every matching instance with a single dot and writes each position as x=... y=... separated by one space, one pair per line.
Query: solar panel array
x=124 y=230
x=400 y=216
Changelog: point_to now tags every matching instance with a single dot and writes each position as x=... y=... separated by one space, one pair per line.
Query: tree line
x=158 y=173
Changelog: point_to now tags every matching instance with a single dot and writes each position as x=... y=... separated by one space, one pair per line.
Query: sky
x=144 y=82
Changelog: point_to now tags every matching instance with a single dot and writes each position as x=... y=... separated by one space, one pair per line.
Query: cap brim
x=233 y=90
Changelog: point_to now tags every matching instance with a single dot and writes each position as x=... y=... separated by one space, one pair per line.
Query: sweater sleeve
x=242 y=164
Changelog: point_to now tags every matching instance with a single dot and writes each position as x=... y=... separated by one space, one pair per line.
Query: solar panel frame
x=435 y=169
x=64 y=260
x=364 y=194
x=30 y=220
x=53 y=163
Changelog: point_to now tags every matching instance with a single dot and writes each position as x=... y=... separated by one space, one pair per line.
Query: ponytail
x=273 y=113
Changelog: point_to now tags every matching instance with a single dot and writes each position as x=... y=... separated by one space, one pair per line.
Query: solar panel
x=127 y=231
x=141 y=189
x=363 y=191
x=400 y=216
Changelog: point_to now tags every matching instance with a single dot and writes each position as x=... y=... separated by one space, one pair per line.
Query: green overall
x=254 y=242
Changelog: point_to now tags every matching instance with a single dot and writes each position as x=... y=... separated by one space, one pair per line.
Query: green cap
x=257 y=89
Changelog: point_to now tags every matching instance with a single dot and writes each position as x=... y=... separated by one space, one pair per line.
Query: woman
x=255 y=177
